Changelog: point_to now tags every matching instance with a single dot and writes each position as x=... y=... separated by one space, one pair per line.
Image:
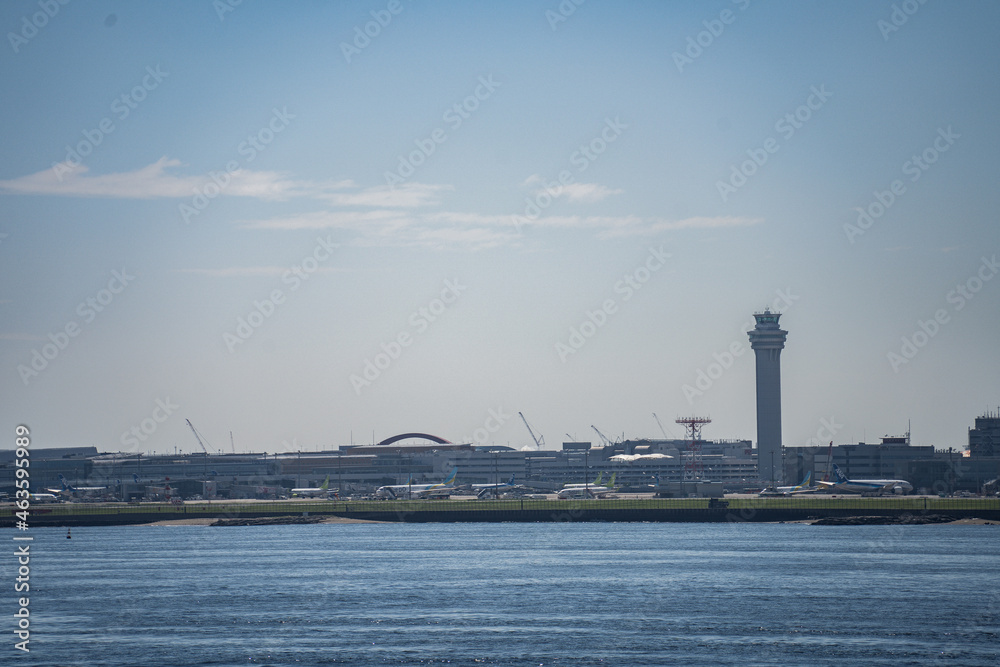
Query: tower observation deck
x=767 y=341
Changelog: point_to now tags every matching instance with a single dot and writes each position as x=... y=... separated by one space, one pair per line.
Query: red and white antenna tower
x=692 y=428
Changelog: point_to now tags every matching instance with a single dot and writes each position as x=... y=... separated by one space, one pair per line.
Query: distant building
x=767 y=341
x=984 y=439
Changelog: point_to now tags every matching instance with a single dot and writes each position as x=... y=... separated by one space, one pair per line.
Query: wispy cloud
x=587 y=193
x=398 y=227
x=408 y=195
x=633 y=225
x=474 y=230
x=649 y=226
x=254 y=271
x=409 y=214
x=161 y=180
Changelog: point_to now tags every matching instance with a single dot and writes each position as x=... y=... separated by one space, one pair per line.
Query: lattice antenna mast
x=692 y=429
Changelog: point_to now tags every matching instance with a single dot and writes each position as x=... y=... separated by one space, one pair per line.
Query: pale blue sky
x=329 y=130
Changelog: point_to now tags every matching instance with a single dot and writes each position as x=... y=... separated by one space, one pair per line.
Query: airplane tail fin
x=511 y=482
x=837 y=475
x=62 y=480
x=808 y=479
x=451 y=477
x=326 y=483
x=135 y=477
x=597 y=482
x=611 y=484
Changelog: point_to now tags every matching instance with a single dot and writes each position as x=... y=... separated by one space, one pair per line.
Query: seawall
x=454 y=511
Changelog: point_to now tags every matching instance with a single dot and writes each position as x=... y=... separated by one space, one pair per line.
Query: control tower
x=767 y=341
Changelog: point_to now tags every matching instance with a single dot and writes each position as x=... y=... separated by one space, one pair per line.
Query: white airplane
x=866 y=486
x=423 y=491
x=595 y=490
x=70 y=491
x=804 y=487
x=312 y=492
x=485 y=490
x=44 y=497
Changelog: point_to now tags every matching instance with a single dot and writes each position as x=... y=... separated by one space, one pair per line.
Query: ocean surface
x=511 y=594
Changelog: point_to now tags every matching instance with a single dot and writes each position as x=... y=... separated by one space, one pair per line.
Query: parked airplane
x=70 y=491
x=595 y=490
x=44 y=497
x=804 y=487
x=486 y=490
x=312 y=492
x=423 y=491
x=866 y=486
x=583 y=485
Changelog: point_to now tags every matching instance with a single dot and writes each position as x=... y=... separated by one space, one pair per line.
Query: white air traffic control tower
x=767 y=341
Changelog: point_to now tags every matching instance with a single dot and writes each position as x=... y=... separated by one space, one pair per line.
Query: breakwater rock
x=902 y=519
x=268 y=521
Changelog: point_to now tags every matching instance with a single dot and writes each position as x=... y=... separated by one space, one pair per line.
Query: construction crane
x=662 y=430
x=231 y=442
x=540 y=441
x=603 y=437
x=197 y=436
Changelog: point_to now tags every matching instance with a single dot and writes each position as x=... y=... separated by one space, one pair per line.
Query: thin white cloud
x=161 y=180
x=253 y=271
x=360 y=220
x=156 y=180
x=587 y=192
x=408 y=195
x=648 y=227
x=632 y=225
x=465 y=230
x=379 y=215
x=573 y=192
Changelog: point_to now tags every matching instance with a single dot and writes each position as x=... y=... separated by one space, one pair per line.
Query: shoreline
x=891 y=510
x=344 y=520
x=208 y=521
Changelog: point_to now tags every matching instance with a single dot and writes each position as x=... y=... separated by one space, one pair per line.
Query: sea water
x=511 y=594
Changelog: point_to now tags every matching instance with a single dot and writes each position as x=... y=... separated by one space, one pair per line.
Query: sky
x=310 y=224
